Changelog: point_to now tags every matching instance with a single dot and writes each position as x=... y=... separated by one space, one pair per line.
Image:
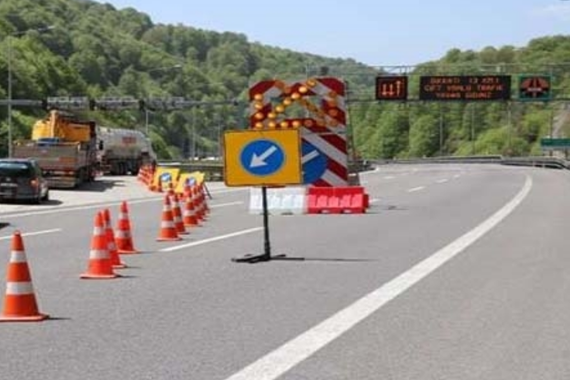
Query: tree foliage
x=95 y=50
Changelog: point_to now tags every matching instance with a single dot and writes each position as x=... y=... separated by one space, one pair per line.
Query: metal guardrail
x=538 y=161
x=543 y=162
x=214 y=170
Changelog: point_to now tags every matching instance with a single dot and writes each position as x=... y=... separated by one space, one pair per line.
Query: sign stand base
x=266 y=255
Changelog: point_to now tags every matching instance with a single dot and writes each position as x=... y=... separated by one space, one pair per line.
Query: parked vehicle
x=64 y=147
x=22 y=179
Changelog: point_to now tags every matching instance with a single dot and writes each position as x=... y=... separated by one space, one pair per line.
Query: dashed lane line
x=211 y=240
x=414 y=189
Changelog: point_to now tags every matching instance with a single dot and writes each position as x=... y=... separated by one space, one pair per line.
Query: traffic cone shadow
x=100 y=266
x=168 y=230
x=123 y=234
x=20 y=301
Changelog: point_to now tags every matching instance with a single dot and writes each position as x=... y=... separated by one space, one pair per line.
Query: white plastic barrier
x=280 y=201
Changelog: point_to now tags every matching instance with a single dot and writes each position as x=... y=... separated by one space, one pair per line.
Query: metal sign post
x=262 y=158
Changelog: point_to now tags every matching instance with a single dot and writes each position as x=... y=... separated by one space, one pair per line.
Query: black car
x=22 y=179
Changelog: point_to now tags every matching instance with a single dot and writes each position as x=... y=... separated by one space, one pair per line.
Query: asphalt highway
x=455 y=272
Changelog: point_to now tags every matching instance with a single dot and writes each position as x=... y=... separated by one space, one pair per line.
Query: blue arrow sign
x=314 y=163
x=262 y=157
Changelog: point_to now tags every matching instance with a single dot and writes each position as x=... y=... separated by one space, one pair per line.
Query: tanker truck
x=123 y=151
x=64 y=147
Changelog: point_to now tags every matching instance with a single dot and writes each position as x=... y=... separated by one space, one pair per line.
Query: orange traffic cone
x=123 y=237
x=168 y=230
x=202 y=188
x=189 y=214
x=20 y=302
x=186 y=192
x=111 y=244
x=177 y=215
x=99 y=260
x=200 y=214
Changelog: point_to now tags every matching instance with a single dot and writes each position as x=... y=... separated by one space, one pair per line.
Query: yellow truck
x=65 y=148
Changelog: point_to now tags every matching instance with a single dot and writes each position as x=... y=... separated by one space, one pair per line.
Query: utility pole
x=440 y=130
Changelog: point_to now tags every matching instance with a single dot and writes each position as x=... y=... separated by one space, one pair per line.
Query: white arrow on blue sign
x=262 y=157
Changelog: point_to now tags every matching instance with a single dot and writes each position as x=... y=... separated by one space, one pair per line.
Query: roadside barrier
x=123 y=234
x=111 y=244
x=99 y=266
x=20 y=301
x=280 y=201
x=168 y=230
x=337 y=200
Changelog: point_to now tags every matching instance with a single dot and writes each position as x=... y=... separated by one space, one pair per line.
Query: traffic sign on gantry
x=262 y=158
x=393 y=87
x=535 y=88
x=465 y=87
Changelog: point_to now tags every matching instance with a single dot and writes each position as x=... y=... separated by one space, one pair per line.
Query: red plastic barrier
x=337 y=200
x=319 y=199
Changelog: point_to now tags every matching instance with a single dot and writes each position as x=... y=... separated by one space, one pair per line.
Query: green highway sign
x=552 y=144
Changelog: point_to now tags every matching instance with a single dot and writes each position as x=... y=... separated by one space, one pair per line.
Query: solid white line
x=210 y=240
x=281 y=360
x=442 y=180
x=33 y=233
x=416 y=189
x=16 y=214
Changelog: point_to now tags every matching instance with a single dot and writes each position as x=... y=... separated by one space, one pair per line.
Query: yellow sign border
x=290 y=173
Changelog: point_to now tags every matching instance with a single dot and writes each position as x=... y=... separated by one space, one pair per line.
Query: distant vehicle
x=122 y=151
x=22 y=179
x=71 y=151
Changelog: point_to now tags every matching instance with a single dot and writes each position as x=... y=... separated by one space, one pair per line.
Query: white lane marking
x=457 y=176
x=419 y=188
x=210 y=240
x=374 y=200
x=281 y=360
x=33 y=233
x=442 y=180
x=98 y=205
x=389 y=177
x=226 y=204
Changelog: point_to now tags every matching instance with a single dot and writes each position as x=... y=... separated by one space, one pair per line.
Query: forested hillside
x=95 y=50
